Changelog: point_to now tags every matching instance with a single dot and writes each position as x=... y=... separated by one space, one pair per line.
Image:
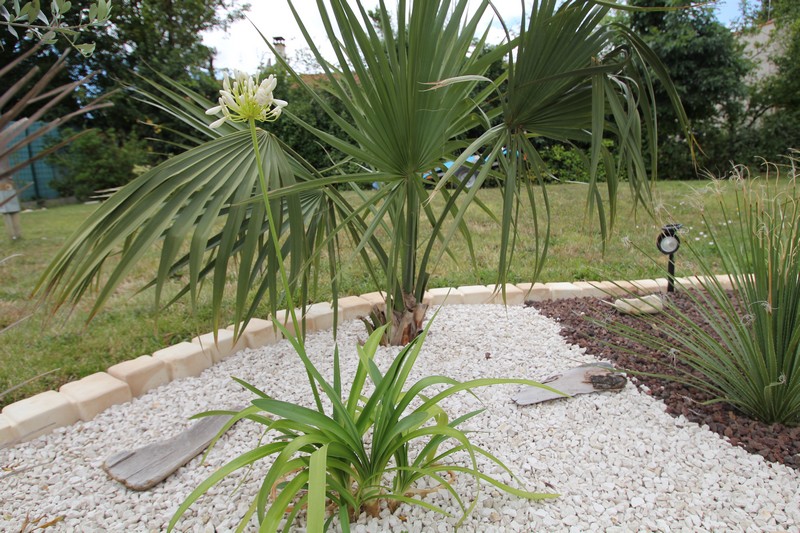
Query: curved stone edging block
x=85 y=398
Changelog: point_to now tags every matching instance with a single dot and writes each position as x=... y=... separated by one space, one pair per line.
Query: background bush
x=571 y=163
x=97 y=160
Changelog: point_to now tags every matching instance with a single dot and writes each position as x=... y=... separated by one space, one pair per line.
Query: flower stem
x=273 y=230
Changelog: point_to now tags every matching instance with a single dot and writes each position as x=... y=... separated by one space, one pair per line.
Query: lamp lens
x=668 y=244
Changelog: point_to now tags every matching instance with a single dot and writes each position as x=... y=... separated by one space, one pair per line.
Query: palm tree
x=400 y=126
x=409 y=95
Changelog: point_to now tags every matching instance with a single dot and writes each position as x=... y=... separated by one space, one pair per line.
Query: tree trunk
x=406 y=324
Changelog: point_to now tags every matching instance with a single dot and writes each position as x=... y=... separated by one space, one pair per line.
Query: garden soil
x=776 y=443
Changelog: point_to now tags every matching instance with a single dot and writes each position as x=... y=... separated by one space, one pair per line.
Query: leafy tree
x=784 y=90
x=706 y=65
x=773 y=117
x=162 y=35
x=50 y=25
x=97 y=160
x=143 y=34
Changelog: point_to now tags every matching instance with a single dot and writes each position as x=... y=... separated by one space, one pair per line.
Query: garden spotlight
x=668 y=243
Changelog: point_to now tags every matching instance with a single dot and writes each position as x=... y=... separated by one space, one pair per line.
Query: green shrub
x=752 y=359
x=566 y=163
x=97 y=160
x=363 y=451
x=570 y=163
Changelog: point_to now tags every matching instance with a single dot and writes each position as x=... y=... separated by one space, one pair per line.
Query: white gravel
x=618 y=461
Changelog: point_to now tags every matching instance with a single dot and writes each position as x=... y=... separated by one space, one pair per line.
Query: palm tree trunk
x=406 y=323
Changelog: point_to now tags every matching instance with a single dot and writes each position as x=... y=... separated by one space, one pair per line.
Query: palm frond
x=180 y=206
x=397 y=126
x=570 y=81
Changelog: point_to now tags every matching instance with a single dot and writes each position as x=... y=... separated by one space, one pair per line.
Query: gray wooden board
x=150 y=465
x=582 y=379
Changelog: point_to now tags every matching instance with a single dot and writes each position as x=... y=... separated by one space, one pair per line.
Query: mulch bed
x=774 y=442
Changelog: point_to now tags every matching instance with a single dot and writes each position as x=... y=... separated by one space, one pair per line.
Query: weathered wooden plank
x=150 y=465
x=583 y=379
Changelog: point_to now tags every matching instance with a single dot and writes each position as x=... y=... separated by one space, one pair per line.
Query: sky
x=242 y=48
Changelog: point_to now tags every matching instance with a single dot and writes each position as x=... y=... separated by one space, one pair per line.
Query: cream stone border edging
x=84 y=399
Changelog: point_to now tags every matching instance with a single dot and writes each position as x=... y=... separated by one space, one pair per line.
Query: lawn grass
x=126 y=328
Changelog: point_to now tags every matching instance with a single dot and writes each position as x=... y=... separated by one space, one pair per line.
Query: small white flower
x=246 y=99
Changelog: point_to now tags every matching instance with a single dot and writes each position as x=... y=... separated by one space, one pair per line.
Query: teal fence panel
x=39 y=174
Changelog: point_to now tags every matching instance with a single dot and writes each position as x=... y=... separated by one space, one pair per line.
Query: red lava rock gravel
x=775 y=442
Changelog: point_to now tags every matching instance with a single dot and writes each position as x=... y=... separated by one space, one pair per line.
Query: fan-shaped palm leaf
x=180 y=205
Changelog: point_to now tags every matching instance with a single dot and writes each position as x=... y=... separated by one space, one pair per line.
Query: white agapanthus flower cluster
x=247 y=99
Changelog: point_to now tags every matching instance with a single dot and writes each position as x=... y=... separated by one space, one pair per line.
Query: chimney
x=280 y=46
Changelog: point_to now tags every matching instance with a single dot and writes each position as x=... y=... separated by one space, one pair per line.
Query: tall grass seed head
x=246 y=99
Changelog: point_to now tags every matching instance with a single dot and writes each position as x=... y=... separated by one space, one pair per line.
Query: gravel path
x=619 y=461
